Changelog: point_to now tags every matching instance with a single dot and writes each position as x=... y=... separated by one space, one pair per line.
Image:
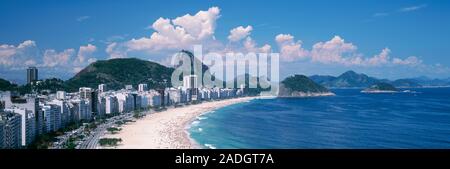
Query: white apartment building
x=52 y=117
x=142 y=87
x=126 y=101
x=61 y=95
x=10 y=130
x=28 y=124
x=64 y=112
x=101 y=88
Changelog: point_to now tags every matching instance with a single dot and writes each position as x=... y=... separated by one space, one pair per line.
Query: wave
x=202 y=118
x=210 y=146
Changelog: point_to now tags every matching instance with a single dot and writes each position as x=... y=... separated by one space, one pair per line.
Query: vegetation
x=116 y=73
x=70 y=144
x=44 y=141
x=301 y=83
x=138 y=114
x=113 y=130
x=109 y=141
x=6 y=85
x=381 y=87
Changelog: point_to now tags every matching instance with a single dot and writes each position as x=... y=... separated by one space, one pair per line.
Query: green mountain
x=349 y=79
x=381 y=87
x=116 y=73
x=6 y=85
x=353 y=79
x=43 y=86
x=299 y=85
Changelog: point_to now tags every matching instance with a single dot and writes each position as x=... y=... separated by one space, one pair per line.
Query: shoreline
x=168 y=129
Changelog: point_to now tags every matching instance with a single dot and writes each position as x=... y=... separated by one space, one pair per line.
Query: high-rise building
x=32 y=74
x=101 y=88
x=85 y=92
x=64 y=112
x=28 y=124
x=52 y=117
x=142 y=87
x=60 y=95
x=10 y=130
x=129 y=87
x=30 y=103
x=191 y=85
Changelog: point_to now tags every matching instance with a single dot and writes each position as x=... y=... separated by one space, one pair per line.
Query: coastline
x=168 y=129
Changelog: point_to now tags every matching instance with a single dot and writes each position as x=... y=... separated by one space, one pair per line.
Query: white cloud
x=411 y=60
x=52 y=58
x=85 y=52
x=413 y=8
x=382 y=58
x=334 y=51
x=11 y=55
x=239 y=33
x=83 y=18
x=251 y=46
x=179 y=33
x=114 y=50
x=289 y=49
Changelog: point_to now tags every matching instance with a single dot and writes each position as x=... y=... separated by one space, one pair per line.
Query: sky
x=383 y=38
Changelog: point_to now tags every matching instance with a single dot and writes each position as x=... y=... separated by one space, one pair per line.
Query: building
x=32 y=74
x=128 y=87
x=142 y=87
x=28 y=124
x=64 y=112
x=125 y=102
x=111 y=105
x=85 y=93
x=102 y=88
x=90 y=95
x=52 y=117
x=30 y=103
x=174 y=96
x=61 y=95
x=190 y=85
x=80 y=109
x=10 y=130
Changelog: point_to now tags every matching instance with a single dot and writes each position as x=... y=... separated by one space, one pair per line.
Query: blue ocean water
x=351 y=119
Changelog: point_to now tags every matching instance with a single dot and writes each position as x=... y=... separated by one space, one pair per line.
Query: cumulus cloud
x=85 y=52
x=239 y=33
x=411 y=60
x=115 y=50
x=11 y=55
x=178 y=33
x=289 y=49
x=335 y=50
x=53 y=58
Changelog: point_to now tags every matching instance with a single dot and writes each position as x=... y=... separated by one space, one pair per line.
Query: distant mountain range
x=351 y=79
x=116 y=73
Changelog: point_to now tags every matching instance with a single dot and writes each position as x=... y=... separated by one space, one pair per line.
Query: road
x=91 y=142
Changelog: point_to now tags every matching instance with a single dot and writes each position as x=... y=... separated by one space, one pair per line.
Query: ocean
x=350 y=120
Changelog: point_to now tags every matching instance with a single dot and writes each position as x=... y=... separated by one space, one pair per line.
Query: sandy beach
x=167 y=129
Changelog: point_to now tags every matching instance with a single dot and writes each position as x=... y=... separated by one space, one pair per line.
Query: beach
x=167 y=129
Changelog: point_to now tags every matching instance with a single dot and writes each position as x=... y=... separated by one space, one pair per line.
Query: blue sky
x=413 y=34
